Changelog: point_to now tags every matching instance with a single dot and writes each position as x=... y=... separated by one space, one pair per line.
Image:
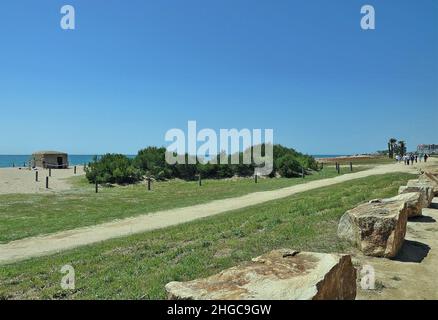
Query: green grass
x=138 y=266
x=28 y=215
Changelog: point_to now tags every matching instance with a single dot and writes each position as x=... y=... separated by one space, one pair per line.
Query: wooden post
x=149 y=184
x=47 y=182
x=322 y=165
x=36 y=176
x=302 y=172
x=351 y=166
x=96 y=186
x=200 y=180
x=50 y=172
x=339 y=169
x=74 y=170
x=256 y=178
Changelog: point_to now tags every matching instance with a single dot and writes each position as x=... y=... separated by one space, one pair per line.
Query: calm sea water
x=322 y=156
x=74 y=159
x=19 y=160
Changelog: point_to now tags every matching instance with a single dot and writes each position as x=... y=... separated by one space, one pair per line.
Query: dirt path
x=412 y=275
x=47 y=244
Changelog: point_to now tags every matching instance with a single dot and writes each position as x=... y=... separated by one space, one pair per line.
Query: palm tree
x=391 y=147
x=402 y=148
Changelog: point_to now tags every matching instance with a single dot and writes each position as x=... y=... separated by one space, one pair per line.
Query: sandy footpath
x=16 y=180
x=48 y=244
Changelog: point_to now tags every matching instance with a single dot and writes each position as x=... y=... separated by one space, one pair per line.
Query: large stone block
x=377 y=229
x=431 y=178
x=413 y=200
x=426 y=188
x=279 y=275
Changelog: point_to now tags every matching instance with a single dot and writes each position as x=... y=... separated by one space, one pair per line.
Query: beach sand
x=16 y=180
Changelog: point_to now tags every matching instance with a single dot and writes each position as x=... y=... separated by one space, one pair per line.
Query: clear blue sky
x=134 y=69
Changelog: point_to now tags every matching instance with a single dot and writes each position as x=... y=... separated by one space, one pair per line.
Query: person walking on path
x=412 y=159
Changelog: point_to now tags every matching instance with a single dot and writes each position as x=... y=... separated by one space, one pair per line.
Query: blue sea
x=322 y=156
x=20 y=160
x=74 y=159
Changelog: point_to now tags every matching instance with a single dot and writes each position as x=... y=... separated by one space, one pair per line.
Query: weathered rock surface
x=432 y=179
x=413 y=200
x=426 y=188
x=279 y=275
x=377 y=229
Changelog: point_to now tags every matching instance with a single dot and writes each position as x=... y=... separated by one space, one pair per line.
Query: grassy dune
x=138 y=267
x=26 y=215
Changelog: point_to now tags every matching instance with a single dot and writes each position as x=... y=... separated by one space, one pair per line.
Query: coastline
x=19 y=161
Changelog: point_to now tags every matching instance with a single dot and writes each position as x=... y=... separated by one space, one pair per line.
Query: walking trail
x=56 y=242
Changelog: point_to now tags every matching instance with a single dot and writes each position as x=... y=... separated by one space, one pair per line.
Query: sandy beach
x=22 y=180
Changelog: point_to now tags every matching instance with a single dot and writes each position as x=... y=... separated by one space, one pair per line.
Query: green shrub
x=151 y=161
x=113 y=168
x=288 y=166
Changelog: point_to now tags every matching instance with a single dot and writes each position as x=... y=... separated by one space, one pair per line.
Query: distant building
x=50 y=159
x=428 y=148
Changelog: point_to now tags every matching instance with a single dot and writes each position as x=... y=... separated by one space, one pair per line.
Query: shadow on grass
x=412 y=251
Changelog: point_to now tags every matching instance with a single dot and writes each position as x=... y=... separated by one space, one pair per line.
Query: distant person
x=416 y=158
x=408 y=159
x=412 y=159
x=425 y=157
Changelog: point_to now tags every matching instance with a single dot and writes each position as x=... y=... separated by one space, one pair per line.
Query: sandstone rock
x=413 y=200
x=431 y=178
x=426 y=188
x=279 y=275
x=377 y=229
